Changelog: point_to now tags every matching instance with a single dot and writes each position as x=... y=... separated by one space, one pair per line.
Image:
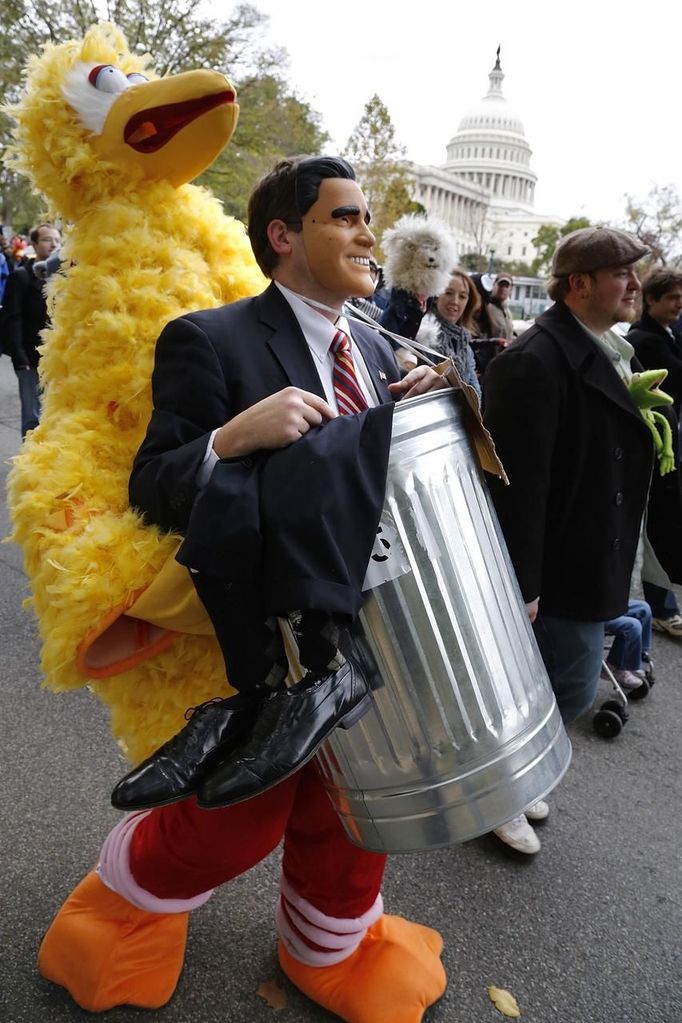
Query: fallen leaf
x=273 y=994
x=504 y=1001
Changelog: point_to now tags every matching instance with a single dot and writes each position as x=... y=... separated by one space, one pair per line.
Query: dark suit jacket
x=656 y=349
x=25 y=315
x=579 y=456
x=210 y=366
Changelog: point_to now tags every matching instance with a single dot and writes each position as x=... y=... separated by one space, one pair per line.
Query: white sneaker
x=673 y=625
x=538 y=811
x=518 y=834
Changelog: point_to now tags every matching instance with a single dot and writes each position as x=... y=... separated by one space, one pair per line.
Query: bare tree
x=657 y=222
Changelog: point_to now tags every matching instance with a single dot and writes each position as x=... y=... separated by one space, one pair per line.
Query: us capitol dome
x=485 y=190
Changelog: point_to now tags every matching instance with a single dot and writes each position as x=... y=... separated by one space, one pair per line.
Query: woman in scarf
x=447 y=325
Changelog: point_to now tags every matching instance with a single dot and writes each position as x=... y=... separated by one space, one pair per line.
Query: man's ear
x=278 y=235
x=580 y=283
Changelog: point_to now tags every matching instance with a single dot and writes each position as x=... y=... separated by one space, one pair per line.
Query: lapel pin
x=382 y=375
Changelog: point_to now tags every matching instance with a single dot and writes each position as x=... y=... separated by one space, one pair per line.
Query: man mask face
x=335 y=242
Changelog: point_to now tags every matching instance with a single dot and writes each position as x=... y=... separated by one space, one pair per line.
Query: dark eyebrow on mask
x=349 y=211
x=345 y=211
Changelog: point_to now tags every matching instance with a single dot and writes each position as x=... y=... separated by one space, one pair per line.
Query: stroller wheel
x=607 y=723
x=640 y=692
x=618 y=708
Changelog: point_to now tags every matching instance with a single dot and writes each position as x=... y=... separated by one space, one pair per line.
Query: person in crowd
x=18 y=247
x=497 y=310
x=231 y=385
x=381 y=294
x=25 y=317
x=579 y=458
x=486 y=343
x=367 y=305
x=658 y=345
x=630 y=654
x=448 y=323
x=655 y=336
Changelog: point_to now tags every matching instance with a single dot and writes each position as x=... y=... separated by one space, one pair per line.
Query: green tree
x=273 y=123
x=545 y=242
x=178 y=37
x=474 y=262
x=515 y=267
x=657 y=222
x=381 y=165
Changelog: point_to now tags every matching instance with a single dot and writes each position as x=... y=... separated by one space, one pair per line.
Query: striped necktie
x=349 y=397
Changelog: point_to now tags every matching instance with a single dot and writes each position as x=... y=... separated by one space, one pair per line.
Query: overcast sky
x=596 y=82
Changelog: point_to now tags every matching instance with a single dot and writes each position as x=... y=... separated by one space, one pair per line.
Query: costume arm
x=521 y=412
x=190 y=400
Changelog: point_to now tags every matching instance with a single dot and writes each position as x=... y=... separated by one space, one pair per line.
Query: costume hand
x=274 y=422
x=532 y=608
x=420 y=380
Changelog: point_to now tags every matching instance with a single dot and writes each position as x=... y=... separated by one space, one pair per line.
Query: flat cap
x=593 y=248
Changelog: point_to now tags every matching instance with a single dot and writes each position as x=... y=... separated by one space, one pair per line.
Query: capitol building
x=485 y=190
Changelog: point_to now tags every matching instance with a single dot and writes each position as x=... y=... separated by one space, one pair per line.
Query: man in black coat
x=578 y=456
x=229 y=386
x=25 y=315
x=658 y=345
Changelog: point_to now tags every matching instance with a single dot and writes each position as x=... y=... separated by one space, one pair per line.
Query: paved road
x=586 y=932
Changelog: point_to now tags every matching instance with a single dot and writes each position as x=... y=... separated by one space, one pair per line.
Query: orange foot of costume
x=106 y=952
x=393 y=977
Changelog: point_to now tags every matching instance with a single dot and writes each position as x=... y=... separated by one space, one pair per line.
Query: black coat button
x=618 y=454
x=616 y=545
x=618 y=498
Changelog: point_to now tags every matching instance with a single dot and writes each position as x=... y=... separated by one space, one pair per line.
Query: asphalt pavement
x=588 y=931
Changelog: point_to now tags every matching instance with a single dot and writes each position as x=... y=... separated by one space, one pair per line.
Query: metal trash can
x=464 y=732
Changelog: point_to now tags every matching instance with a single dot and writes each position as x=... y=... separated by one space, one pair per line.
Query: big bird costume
x=113 y=149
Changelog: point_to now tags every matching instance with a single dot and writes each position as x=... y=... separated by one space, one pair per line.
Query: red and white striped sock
x=313 y=937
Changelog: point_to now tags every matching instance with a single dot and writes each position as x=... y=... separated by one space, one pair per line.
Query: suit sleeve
x=521 y=413
x=190 y=400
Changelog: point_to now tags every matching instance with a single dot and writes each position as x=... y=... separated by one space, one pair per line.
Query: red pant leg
x=180 y=851
x=320 y=862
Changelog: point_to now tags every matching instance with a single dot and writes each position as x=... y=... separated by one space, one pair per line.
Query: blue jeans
x=663 y=603
x=29 y=395
x=632 y=633
x=572 y=652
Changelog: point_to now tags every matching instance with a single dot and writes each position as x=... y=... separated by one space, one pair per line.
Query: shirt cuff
x=206 y=468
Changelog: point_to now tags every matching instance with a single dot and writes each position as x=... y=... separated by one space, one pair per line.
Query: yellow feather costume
x=139 y=252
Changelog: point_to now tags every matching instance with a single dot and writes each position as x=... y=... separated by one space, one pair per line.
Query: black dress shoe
x=176 y=769
x=290 y=728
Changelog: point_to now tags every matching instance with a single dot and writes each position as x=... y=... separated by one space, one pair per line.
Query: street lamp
x=491 y=258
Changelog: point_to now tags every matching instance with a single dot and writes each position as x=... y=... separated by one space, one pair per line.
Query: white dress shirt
x=319 y=333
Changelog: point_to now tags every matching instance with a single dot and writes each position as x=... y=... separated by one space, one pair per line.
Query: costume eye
x=108 y=78
x=135 y=78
